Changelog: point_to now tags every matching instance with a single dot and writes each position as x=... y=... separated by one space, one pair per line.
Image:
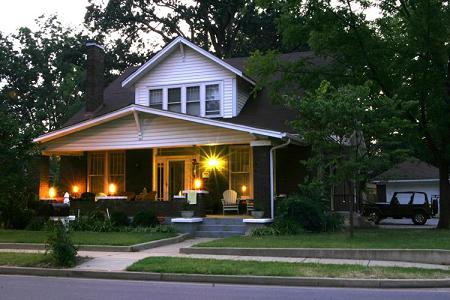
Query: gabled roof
x=133 y=108
x=168 y=49
x=410 y=170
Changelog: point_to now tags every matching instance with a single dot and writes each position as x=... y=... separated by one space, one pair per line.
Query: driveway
x=407 y=223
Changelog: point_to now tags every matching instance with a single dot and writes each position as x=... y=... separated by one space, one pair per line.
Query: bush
x=19 y=219
x=264 y=231
x=119 y=218
x=37 y=223
x=61 y=247
x=334 y=222
x=145 y=219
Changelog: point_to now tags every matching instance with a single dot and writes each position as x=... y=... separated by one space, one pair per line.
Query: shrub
x=145 y=219
x=61 y=247
x=119 y=218
x=37 y=223
x=334 y=222
x=20 y=218
x=97 y=215
x=264 y=231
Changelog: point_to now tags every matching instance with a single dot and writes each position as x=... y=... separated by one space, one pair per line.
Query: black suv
x=414 y=205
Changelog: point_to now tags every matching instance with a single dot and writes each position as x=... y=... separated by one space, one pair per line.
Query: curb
x=231 y=279
x=101 y=248
x=427 y=256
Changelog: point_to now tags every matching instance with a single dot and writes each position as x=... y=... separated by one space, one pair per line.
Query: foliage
x=119 y=218
x=264 y=231
x=145 y=219
x=228 y=28
x=61 y=246
x=37 y=223
x=399 y=57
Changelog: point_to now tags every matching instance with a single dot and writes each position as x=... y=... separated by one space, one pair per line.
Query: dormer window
x=201 y=99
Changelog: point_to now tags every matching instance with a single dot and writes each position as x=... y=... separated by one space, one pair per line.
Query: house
x=184 y=120
x=410 y=175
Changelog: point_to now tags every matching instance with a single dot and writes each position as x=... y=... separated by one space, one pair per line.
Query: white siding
x=243 y=93
x=157 y=132
x=193 y=68
x=430 y=188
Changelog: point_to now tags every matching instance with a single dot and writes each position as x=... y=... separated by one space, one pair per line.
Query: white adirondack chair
x=229 y=201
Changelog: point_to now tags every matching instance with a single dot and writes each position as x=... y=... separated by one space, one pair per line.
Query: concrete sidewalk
x=119 y=261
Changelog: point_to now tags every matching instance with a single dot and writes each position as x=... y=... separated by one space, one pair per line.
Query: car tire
x=374 y=217
x=419 y=218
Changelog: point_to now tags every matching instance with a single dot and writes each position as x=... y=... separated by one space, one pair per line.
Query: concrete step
x=223 y=221
x=240 y=228
x=217 y=234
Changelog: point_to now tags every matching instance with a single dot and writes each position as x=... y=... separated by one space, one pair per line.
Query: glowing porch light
x=75 y=189
x=198 y=183
x=52 y=192
x=244 y=189
x=112 y=188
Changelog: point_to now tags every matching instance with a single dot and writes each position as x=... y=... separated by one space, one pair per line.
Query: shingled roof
x=411 y=169
x=259 y=111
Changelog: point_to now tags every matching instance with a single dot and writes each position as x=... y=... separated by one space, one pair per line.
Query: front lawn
x=85 y=237
x=364 y=238
x=257 y=268
x=24 y=259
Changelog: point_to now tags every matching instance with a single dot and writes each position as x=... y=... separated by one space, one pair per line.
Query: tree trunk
x=444 y=197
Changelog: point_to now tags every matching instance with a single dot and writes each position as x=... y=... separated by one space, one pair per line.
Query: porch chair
x=229 y=201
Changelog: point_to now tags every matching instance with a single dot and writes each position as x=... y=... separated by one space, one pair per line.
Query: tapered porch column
x=261 y=175
x=44 y=167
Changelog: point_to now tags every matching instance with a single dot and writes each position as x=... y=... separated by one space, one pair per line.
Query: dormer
x=184 y=78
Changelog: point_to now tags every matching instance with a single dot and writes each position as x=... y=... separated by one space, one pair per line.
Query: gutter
x=272 y=180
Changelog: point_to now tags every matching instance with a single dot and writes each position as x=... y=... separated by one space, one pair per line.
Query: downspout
x=272 y=179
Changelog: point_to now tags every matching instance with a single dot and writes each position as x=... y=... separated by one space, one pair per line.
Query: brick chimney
x=94 y=76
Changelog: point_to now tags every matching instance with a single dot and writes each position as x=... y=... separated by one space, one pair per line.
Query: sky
x=18 y=13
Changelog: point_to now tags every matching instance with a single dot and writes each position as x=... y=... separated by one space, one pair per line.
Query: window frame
x=106 y=169
x=250 y=191
x=183 y=87
x=162 y=97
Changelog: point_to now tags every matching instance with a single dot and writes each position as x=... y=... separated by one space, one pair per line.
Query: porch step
x=226 y=227
x=223 y=221
x=217 y=234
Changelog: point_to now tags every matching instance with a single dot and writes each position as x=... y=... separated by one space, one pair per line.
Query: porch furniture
x=130 y=196
x=229 y=201
x=249 y=204
x=150 y=196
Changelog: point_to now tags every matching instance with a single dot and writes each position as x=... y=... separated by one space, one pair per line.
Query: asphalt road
x=49 y=288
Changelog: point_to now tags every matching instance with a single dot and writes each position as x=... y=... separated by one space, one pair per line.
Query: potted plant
x=257 y=213
x=187 y=211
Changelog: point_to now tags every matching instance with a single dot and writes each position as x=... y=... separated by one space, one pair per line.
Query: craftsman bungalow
x=184 y=120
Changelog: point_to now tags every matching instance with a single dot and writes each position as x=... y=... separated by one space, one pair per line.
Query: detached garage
x=410 y=175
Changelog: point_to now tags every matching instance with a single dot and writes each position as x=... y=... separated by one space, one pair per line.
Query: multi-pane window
x=240 y=170
x=96 y=172
x=116 y=168
x=156 y=98
x=174 y=99
x=212 y=99
x=105 y=168
x=193 y=100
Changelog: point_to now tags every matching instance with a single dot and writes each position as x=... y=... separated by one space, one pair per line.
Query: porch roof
x=134 y=109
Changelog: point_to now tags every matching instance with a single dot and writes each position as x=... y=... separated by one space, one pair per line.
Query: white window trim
x=202 y=85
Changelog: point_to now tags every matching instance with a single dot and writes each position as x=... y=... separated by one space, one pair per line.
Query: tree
x=227 y=27
x=404 y=51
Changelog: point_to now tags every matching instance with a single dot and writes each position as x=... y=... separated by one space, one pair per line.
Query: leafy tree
x=404 y=51
x=227 y=27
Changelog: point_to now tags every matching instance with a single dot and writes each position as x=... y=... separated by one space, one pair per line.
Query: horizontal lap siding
x=193 y=69
x=243 y=93
x=157 y=132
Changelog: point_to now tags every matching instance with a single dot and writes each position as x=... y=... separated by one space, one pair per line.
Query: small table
x=248 y=202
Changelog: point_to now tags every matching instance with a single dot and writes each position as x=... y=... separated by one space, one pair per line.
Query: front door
x=173 y=175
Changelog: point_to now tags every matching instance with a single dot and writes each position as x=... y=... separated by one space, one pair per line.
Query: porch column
x=44 y=167
x=261 y=175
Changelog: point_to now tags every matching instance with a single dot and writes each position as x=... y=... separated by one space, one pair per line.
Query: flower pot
x=187 y=213
x=258 y=214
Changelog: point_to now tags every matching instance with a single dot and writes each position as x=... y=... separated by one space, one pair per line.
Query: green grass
x=84 y=237
x=368 y=239
x=257 y=268
x=24 y=259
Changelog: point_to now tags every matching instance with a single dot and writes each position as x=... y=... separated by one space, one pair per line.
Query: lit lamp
x=52 y=192
x=112 y=188
x=75 y=189
x=198 y=183
x=244 y=189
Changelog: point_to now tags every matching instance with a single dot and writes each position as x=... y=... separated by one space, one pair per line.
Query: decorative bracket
x=138 y=124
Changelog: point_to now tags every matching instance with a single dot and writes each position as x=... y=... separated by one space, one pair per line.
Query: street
x=49 y=288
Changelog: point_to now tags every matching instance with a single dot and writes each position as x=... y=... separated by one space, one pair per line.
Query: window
x=174 y=99
x=212 y=100
x=156 y=98
x=193 y=100
x=117 y=170
x=105 y=168
x=96 y=172
x=240 y=170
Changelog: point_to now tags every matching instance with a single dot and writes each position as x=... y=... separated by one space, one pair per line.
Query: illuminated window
x=96 y=172
x=105 y=168
x=240 y=170
x=117 y=170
